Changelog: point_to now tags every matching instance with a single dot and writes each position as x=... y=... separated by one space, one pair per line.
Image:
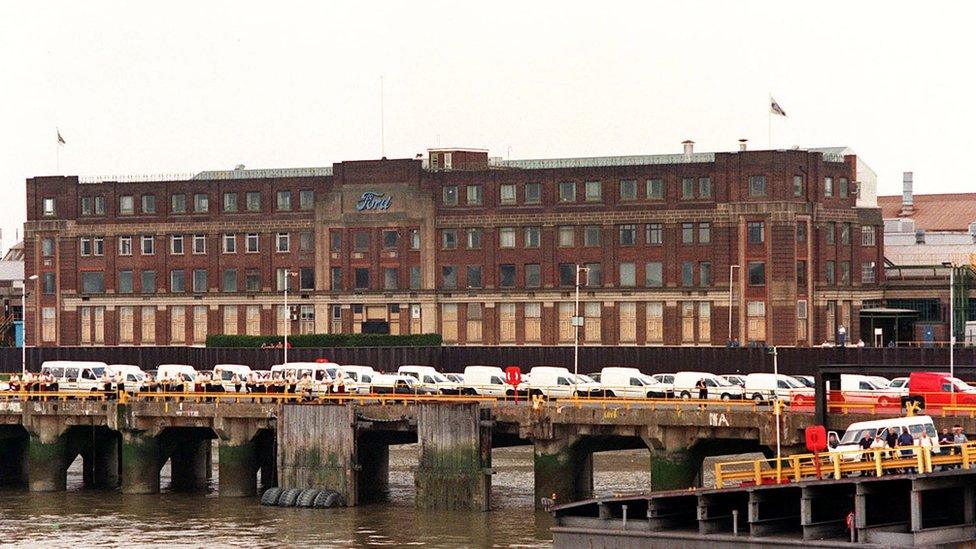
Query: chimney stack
x=689 y=148
x=907 y=201
x=742 y=144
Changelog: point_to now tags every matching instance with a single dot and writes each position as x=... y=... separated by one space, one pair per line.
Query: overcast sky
x=178 y=87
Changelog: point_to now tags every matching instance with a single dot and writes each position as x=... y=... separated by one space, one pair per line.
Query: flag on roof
x=774 y=107
x=60 y=139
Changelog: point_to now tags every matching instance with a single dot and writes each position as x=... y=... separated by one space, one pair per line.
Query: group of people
x=902 y=443
x=32 y=383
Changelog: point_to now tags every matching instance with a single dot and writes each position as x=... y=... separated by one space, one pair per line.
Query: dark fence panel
x=721 y=360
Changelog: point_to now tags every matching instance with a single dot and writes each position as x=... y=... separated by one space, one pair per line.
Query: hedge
x=328 y=340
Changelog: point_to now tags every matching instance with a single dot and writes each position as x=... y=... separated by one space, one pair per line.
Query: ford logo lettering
x=373 y=201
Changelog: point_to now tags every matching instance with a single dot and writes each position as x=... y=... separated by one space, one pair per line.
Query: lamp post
x=23 y=325
x=952 y=323
x=577 y=323
x=287 y=312
x=731 y=270
x=777 y=408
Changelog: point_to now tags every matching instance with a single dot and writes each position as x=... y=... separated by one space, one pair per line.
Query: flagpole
x=769 y=123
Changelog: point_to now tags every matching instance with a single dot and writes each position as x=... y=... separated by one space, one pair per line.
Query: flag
x=60 y=139
x=774 y=107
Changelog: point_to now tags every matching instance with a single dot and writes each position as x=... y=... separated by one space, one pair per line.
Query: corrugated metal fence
x=452 y=359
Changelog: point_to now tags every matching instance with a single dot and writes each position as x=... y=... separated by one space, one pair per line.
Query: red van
x=937 y=389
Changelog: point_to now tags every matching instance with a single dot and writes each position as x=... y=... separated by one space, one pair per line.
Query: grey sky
x=186 y=86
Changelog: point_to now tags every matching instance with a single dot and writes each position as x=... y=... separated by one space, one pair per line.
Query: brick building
x=480 y=250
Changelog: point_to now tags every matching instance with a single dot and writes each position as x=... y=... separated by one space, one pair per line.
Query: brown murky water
x=84 y=518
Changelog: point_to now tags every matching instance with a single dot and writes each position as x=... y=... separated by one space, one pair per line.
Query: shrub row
x=328 y=340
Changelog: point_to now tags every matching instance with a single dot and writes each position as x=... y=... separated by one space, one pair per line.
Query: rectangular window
x=230 y=202
x=177 y=324
x=797 y=185
x=148 y=281
x=655 y=189
x=199 y=324
x=229 y=280
x=283 y=201
x=628 y=235
x=252 y=280
x=756 y=320
x=229 y=319
x=533 y=193
x=628 y=275
x=533 y=275
x=306 y=278
x=360 y=241
x=704 y=233
x=47 y=246
x=201 y=202
x=507 y=194
x=506 y=237
x=306 y=241
x=594 y=191
x=362 y=278
x=687 y=321
x=85 y=246
x=283 y=277
x=627 y=322
x=687 y=188
x=801 y=232
x=47 y=207
x=390 y=239
x=126 y=317
x=473 y=325
x=654 y=274
x=801 y=274
x=99 y=205
x=757 y=273
x=199 y=244
x=842 y=187
x=252 y=320
x=705 y=273
x=756 y=231
x=306 y=318
x=449 y=277
x=506 y=321
x=199 y=281
x=591 y=235
x=830 y=233
x=127 y=205
x=125 y=245
x=594 y=275
x=867 y=236
x=283 y=242
x=149 y=204
x=687 y=233
x=801 y=319
x=628 y=189
x=125 y=282
x=98 y=246
x=253 y=200
x=251 y=243
x=177 y=281
x=829 y=273
x=533 y=237
x=757 y=185
x=335 y=241
x=177 y=203
x=86 y=205
x=474 y=276
x=414 y=239
x=655 y=233
x=415 y=278
x=567 y=274
x=567 y=192
x=704 y=187
x=704 y=321
x=230 y=243
x=148 y=245
x=845 y=273
x=828 y=187
x=176 y=244
x=335 y=274
x=306 y=199
x=533 y=322
x=655 y=322
x=475 y=194
x=868 y=274
x=567 y=236
x=687 y=273
x=449 y=322
x=845 y=234
x=473 y=238
x=148 y=324
x=48 y=283
x=391 y=276
x=506 y=276
x=449 y=195
x=449 y=239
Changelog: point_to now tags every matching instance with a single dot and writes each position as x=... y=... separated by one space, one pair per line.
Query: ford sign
x=373 y=201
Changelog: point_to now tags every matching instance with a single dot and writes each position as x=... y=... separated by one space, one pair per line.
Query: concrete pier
x=101 y=460
x=563 y=470
x=141 y=461
x=454 y=471
x=190 y=465
x=47 y=462
x=317 y=448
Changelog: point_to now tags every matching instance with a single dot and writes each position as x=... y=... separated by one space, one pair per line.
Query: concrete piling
x=563 y=471
x=455 y=457
x=47 y=462
x=141 y=461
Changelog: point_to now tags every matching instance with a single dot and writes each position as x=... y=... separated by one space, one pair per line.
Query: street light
x=286 y=311
x=952 y=322
x=731 y=269
x=23 y=326
x=577 y=323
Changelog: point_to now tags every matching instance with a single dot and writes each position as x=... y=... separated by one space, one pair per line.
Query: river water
x=85 y=518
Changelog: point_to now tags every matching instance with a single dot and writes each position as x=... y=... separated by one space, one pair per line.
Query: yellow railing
x=837 y=465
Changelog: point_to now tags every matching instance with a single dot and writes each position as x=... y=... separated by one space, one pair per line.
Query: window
x=801 y=232
x=567 y=192
x=705 y=273
x=306 y=241
x=594 y=274
x=335 y=241
x=506 y=237
x=414 y=239
x=148 y=203
x=687 y=233
x=148 y=282
x=533 y=237
x=506 y=276
x=533 y=275
x=567 y=274
x=229 y=280
x=829 y=272
x=687 y=273
x=507 y=194
x=98 y=245
x=655 y=189
x=655 y=322
x=360 y=241
x=127 y=205
x=201 y=202
x=99 y=205
x=449 y=239
x=688 y=324
x=828 y=187
x=474 y=239
x=335 y=275
x=756 y=231
x=47 y=283
x=230 y=243
x=567 y=236
x=756 y=320
x=591 y=235
x=230 y=319
x=415 y=278
x=199 y=281
x=251 y=243
x=594 y=191
x=845 y=273
x=306 y=278
x=252 y=280
x=704 y=187
x=801 y=274
x=253 y=201
x=283 y=278
x=842 y=187
x=148 y=245
x=475 y=195
x=199 y=244
x=176 y=244
x=474 y=276
x=797 y=185
x=306 y=199
x=126 y=317
x=230 y=202
x=47 y=207
x=868 y=272
x=628 y=189
x=177 y=203
x=628 y=275
x=283 y=201
x=283 y=242
x=391 y=276
x=448 y=277
x=867 y=236
x=125 y=245
x=177 y=281
x=533 y=193
x=757 y=273
x=654 y=274
x=449 y=195
x=757 y=185
x=829 y=233
x=845 y=234
x=628 y=235
x=704 y=233
x=687 y=188
x=655 y=233
x=86 y=205
x=177 y=324
x=85 y=246
x=449 y=321
x=47 y=247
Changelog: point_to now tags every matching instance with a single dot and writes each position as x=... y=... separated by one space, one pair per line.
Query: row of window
x=232 y=280
x=567 y=235
x=95 y=245
x=182 y=203
x=361 y=240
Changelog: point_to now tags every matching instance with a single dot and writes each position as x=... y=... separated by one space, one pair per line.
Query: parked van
x=399 y=384
x=717 y=387
x=486 y=380
x=430 y=378
x=630 y=383
x=856 y=388
x=760 y=387
x=559 y=382
x=132 y=376
x=74 y=375
x=666 y=381
x=224 y=374
x=937 y=389
x=186 y=374
x=880 y=428
x=359 y=379
x=321 y=373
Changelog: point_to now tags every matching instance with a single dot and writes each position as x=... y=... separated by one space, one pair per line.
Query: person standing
x=702 y=389
x=865 y=443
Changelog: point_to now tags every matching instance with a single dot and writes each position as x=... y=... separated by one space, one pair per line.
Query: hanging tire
x=271 y=495
x=307 y=497
x=289 y=497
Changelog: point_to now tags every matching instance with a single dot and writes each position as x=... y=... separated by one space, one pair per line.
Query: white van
x=75 y=375
x=224 y=374
x=717 y=387
x=431 y=379
x=856 y=388
x=880 y=428
x=630 y=383
x=322 y=373
x=184 y=373
x=486 y=380
x=132 y=376
x=559 y=382
x=359 y=379
x=760 y=387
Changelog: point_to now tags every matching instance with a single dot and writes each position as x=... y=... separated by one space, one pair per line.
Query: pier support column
x=13 y=459
x=238 y=455
x=455 y=457
x=374 y=472
x=46 y=462
x=189 y=465
x=101 y=460
x=317 y=449
x=563 y=471
x=674 y=470
x=140 y=463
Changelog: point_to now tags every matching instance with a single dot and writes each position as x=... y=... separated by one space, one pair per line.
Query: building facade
x=480 y=250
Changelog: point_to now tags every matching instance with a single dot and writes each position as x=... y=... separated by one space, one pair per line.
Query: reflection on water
x=89 y=518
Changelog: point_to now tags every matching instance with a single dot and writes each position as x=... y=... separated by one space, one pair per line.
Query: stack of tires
x=298 y=497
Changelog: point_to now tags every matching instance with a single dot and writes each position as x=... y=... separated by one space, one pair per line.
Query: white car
x=809 y=381
x=455 y=377
x=630 y=383
x=321 y=373
x=899 y=384
x=760 y=387
x=735 y=379
x=359 y=379
x=430 y=378
x=716 y=387
x=666 y=381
